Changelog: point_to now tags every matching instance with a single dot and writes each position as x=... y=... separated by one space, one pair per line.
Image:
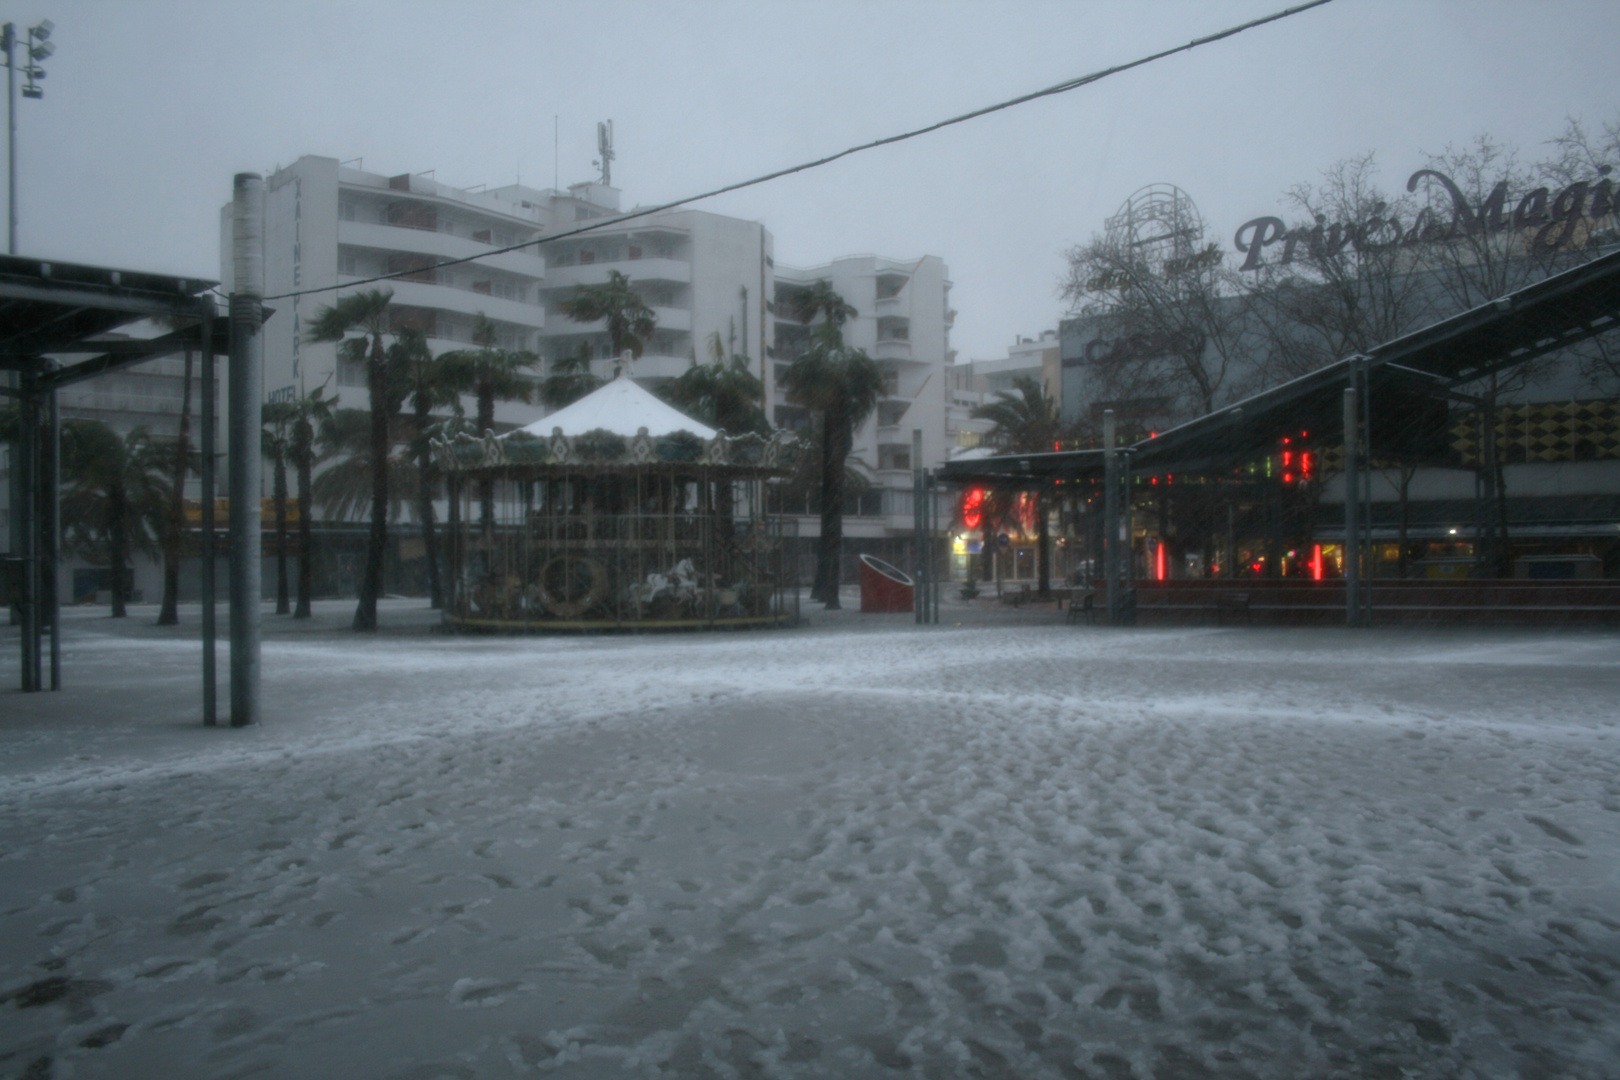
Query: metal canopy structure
x=1430 y=363
x=1412 y=378
x=53 y=318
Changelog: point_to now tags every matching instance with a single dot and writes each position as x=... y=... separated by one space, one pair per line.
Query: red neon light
x=1304 y=465
x=971 y=503
x=1316 y=563
x=1159 y=561
x=1288 y=478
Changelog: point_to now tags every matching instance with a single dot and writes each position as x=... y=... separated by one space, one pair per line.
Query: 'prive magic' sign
x=1555 y=219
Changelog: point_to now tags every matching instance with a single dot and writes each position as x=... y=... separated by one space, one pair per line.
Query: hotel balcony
x=596 y=273
x=439 y=245
x=669 y=318
x=462 y=301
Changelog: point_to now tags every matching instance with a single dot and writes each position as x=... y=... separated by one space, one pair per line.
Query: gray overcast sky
x=150 y=107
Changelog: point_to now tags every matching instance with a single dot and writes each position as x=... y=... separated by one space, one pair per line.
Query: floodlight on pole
x=39 y=47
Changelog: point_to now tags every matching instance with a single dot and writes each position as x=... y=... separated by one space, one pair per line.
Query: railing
x=1393 y=602
x=563 y=568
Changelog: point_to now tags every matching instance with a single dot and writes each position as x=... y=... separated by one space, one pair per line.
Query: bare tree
x=1345 y=282
x=1581 y=155
x=1177 y=322
x=1495 y=225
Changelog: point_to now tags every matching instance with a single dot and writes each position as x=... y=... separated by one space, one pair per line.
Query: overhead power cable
x=1059 y=88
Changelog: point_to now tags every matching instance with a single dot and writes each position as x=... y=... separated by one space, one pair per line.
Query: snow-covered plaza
x=854 y=849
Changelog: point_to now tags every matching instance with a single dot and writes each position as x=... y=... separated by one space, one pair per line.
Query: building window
x=894 y=457
x=348 y=264
x=351 y=373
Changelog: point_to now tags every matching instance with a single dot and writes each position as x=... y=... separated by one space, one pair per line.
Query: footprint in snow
x=1552 y=829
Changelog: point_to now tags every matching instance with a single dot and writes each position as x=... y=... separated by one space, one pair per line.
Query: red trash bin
x=884 y=587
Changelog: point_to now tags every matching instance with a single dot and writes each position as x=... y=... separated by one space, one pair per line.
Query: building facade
x=903 y=322
x=976 y=382
x=330 y=225
x=702 y=274
x=1556 y=430
x=706 y=276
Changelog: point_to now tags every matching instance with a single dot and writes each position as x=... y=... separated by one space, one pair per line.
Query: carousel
x=616 y=513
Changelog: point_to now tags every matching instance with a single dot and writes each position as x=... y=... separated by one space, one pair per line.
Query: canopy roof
x=50 y=308
x=622 y=407
x=1407 y=380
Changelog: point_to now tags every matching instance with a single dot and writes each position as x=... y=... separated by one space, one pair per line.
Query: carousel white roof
x=622 y=407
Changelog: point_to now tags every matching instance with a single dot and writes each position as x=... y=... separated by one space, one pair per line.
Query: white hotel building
x=327 y=224
x=903 y=321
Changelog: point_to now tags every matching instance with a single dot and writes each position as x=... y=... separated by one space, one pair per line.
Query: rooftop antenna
x=604 y=150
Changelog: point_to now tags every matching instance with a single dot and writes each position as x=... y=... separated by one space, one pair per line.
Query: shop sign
x=1141 y=347
x=1555 y=219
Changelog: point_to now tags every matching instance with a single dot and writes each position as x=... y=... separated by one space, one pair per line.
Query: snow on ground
x=1009 y=848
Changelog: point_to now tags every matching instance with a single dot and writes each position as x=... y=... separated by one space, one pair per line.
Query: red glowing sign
x=1316 y=562
x=972 y=503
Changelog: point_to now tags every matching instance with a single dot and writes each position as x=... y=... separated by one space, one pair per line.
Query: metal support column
x=210 y=627
x=246 y=395
x=1490 y=552
x=1111 y=525
x=28 y=454
x=52 y=477
x=919 y=533
x=1364 y=488
x=1352 y=507
x=1127 y=569
x=930 y=556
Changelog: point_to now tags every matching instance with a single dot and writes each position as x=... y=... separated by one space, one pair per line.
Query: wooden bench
x=1233 y=603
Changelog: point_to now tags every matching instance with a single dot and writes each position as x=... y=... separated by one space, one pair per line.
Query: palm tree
x=841 y=385
x=723 y=394
x=490 y=374
x=430 y=384
x=630 y=323
x=820 y=299
x=343 y=489
x=367 y=311
x=312 y=411
x=115 y=499
x=570 y=379
x=275 y=442
x=1025 y=421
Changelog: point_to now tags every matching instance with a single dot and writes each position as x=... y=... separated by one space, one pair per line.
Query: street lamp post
x=38 y=48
